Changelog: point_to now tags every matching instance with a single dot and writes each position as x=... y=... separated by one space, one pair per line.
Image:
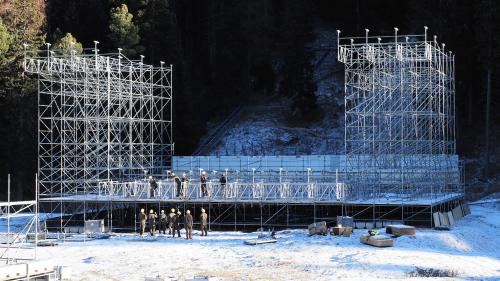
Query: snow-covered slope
x=469 y=250
x=265 y=130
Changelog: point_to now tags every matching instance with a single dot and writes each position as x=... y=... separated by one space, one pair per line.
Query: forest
x=231 y=52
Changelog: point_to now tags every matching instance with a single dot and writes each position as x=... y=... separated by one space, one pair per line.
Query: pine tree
x=67 y=44
x=5 y=39
x=24 y=21
x=123 y=32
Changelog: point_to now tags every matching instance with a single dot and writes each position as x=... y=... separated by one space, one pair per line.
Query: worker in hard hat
x=185 y=183
x=152 y=222
x=188 y=225
x=178 y=184
x=176 y=224
x=142 y=220
x=203 y=222
x=170 y=220
x=153 y=186
x=163 y=222
x=203 y=180
x=223 y=182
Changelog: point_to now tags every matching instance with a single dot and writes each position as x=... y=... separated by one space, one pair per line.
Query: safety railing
x=234 y=191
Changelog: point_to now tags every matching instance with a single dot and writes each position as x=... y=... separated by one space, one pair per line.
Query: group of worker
x=172 y=221
x=182 y=183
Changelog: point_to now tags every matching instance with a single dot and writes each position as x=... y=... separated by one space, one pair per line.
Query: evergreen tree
x=24 y=21
x=5 y=39
x=67 y=44
x=123 y=32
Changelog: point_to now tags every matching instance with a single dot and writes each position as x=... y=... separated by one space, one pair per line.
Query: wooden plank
x=259 y=241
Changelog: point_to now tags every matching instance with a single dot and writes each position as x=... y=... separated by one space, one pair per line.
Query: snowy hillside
x=469 y=250
x=264 y=130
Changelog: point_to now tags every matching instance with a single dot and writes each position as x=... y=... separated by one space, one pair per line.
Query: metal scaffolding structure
x=399 y=116
x=101 y=117
x=106 y=121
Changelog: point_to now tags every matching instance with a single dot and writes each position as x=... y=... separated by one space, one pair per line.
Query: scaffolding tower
x=399 y=116
x=101 y=117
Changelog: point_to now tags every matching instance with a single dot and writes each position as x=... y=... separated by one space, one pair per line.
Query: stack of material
x=400 y=230
x=342 y=231
x=444 y=220
x=318 y=228
x=377 y=240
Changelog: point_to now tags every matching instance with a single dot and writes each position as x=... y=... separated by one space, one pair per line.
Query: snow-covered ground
x=470 y=248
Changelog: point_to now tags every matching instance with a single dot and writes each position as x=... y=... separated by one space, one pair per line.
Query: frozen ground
x=471 y=249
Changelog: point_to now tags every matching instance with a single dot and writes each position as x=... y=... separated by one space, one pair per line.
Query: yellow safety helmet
x=142 y=210
x=188 y=212
x=202 y=210
x=172 y=210
x=151 y=211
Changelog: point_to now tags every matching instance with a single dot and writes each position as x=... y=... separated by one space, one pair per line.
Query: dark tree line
x=228 y=53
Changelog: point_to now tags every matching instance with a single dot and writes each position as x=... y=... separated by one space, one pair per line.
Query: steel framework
x=399 y=116
x=101 y=117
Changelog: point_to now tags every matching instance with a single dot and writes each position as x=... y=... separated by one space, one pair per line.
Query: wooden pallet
x=377 y=240
x=400 y=230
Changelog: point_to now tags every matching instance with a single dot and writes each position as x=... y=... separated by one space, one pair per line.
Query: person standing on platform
x=163 y=222
x=188 y=225
x=142 y=220
x=203 y=180
x=185 y=182
x=153 y=186
x=223 y=182
x=170 y=220
x=203 y=222
x=152 y=222
x=178 y=184
x=176 y=224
